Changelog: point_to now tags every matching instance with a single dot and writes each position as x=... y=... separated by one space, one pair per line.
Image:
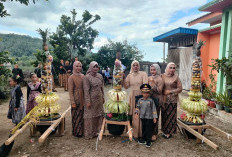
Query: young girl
x=33 y=90
x=16 y=107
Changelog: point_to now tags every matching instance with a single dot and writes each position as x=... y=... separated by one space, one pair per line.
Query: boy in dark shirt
x=146 y=111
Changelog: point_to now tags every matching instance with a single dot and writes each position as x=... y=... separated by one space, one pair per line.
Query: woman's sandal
x=165 y=136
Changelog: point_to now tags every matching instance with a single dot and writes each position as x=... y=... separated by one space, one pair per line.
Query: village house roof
x=211 y=18
x=175 y=34
x=216 y=5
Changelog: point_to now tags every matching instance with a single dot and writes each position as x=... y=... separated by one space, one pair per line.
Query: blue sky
x=136 y=21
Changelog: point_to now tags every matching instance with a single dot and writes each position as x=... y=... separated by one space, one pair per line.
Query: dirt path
x=69 y=146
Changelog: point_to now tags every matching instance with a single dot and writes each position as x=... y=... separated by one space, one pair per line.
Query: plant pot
x=116 y=130
x=227 y=109
x=208 y=102
x=219 y=107
x=212 y=104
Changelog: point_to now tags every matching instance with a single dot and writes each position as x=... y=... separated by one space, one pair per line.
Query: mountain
x=19 y=45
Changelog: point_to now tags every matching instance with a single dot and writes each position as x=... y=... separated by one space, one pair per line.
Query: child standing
x=33 y=90
x=146 y=110
x=16 y=107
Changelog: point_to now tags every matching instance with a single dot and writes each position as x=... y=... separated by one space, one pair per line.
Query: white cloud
x=100 y=42
x=113 y=13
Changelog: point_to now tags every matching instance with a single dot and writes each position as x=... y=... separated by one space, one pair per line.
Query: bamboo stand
x=126 y=123
x=53 y=124
x=200 y=128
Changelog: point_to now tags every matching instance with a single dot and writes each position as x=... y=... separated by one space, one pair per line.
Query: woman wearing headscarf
x=133 y=81
x=76 y=94
x=157 y=84
x=172 y=87
x=93 y=84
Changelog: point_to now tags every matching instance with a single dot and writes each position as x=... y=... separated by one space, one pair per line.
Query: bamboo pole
x=223 y=133
x=195 y=133
x=53 y=126
x=11 y=139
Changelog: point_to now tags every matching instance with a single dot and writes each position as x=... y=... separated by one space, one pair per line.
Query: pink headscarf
x=167 y=70
x=131 y=70
x=75 y=68
x=91 y=65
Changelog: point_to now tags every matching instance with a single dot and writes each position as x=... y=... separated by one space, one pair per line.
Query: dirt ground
x=70 y=146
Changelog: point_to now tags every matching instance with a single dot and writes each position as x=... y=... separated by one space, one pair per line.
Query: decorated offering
x=116 y=108
x=194 y=104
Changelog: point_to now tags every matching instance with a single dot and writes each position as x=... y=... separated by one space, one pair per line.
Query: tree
x=5 y=73
x=3 y=12
x=74 y=37
x=127 y=52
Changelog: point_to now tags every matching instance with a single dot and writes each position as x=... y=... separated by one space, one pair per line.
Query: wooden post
x=33 y=130
x=102 y=129
x=61 y=127
x=126 y=123
x=164 y=52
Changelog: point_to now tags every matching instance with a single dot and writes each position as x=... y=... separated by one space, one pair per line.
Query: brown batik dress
x=169 y=108
x=93 y=94
x=75 y=83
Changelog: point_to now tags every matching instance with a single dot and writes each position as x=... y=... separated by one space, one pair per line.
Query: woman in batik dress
x=93 y=84
x=172 y=87
x=76 y=94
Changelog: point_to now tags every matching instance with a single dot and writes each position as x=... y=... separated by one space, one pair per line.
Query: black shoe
x=148 y=144
x=140 y=141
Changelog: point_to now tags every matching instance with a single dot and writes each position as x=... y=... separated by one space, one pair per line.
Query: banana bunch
x=194 y=107
x=46 y=111
x=46 y=99
x=195 y=96
x=116 y=107
x=117 y=95
x=192 y=119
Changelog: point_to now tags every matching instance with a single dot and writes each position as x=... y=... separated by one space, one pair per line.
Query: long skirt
x=136 y=122
x=61 y=79
x=92 y=126
x=169 y=118
x=66 y=76
x=77 y=121
x=156 y=125
x=16 y=116
x=30 y=105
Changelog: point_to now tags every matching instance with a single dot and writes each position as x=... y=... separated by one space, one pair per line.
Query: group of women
x=165 y=88
x=87 y=98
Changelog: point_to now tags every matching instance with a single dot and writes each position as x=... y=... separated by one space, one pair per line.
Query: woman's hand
x=136 y=116
x=74 y=105
x=167 y=92
x=15 y=109
x=88 y=106
x=154 y=120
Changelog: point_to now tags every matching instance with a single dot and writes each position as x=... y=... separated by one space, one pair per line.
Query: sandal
x=166 y=136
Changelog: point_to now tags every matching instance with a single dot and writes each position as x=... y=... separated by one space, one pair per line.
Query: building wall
x=209 y=51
